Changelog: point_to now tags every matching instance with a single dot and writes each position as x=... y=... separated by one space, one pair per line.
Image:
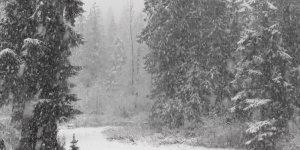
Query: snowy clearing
x=93 y=139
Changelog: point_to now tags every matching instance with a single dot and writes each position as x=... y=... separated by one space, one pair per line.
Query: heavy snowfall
x=149 y=74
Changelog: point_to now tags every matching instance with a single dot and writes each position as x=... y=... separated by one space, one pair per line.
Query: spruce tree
x=74 y=144
x=95 y=55
x=265 y=77
x=111 y=28
x=39 y=36
x=118 y=60
x=190 y=46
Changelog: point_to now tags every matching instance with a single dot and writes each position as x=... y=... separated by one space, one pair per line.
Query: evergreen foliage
x=74 y=144
x=202 y=54
x=243 y=50
x=266 y=62
x=95 y=47
x=37 y=37
x=112 y=28
x=119 y=59
x=191 y=45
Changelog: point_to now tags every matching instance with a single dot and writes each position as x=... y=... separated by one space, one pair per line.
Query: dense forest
x=216 y=57
x=213 y=73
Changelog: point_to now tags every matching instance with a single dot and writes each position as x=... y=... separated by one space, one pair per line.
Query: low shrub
x=212 y=132
x=130 y=133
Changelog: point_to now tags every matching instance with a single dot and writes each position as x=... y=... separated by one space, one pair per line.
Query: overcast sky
x=116 y=5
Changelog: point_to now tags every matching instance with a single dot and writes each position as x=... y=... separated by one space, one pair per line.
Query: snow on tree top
x=6 y=52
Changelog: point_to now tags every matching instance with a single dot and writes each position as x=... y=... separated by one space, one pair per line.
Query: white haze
x=116 y=5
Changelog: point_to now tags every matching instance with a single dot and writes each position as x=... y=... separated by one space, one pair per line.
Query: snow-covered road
x=93 y=139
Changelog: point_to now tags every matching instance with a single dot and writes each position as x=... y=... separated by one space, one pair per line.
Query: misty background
x=109 y=63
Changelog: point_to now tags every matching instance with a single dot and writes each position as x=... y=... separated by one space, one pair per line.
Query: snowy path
x=93 y=139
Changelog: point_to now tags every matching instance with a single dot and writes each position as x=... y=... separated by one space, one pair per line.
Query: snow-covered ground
x=93 y=139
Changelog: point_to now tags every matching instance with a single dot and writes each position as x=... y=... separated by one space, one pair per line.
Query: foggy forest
x=149 y=74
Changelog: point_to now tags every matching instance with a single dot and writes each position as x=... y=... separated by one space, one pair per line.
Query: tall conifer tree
x=39 y=35
x=190 y=45
x=267 y=73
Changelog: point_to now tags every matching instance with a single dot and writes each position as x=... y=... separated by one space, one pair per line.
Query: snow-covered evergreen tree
x=95 y=55
x=190 y=45
x=118 y=59
x=74 y=144
x=37 y=37
x=266 y=61
x=111 y=28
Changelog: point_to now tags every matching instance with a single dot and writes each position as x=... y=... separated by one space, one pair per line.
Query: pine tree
x=39 y=35
x=118 y=61
x=190 y=45
x=266 y=86
x=123 y=26
x=95 y=57
x=111 y=28
x=74 y=144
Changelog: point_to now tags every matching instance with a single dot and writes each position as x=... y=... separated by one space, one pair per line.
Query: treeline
x=238 y=58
